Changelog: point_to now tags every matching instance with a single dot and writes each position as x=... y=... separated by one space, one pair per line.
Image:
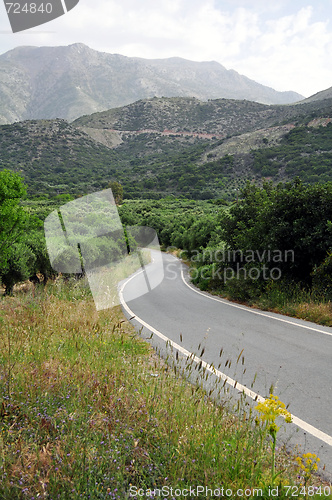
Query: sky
x=286 y=45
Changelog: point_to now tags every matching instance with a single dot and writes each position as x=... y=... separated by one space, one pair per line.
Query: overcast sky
x=285 y=44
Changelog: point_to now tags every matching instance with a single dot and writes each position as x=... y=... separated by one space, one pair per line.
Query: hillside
x=219 y=117
x=54 y=157
x=235 y=141
x=324 y=94
x=67 y=82
x=172 y=146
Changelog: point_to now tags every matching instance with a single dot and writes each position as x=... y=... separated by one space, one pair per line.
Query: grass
x=283 y=298
x=88 y=410
x=296 y=302
x=104 y=281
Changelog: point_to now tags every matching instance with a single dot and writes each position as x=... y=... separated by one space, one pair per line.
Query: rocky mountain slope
x=68 y=82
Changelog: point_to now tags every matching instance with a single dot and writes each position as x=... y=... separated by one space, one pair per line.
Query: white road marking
x=249 y=310
x=326 y=438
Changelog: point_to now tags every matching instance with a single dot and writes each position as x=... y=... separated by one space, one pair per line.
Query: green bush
x=322 y=278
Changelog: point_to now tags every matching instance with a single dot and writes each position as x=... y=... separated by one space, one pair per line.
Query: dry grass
x=317 y=313
x=87 y=409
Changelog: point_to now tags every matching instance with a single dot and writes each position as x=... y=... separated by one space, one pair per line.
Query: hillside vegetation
x=54 y=157
x=219 y=116
x=176 y=146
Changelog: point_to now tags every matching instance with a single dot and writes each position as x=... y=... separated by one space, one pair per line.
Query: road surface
x=260 y=349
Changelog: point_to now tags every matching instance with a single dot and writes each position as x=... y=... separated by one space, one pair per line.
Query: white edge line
x=249 y=310
x=326 y=438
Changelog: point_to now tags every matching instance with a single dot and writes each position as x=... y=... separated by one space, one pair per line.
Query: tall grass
x=89 y=411
x=297 y=302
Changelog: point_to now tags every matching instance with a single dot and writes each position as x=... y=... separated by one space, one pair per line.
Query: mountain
x=210 y=149
x=172 y=146
x=68 y=82
x=324 y=94
x=220 y=117
x=54 y=157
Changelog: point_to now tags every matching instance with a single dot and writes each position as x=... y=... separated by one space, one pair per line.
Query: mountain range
x=70 y=81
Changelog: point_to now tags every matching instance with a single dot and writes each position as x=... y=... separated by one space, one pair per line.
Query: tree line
x=272 y=233
x=23 y=251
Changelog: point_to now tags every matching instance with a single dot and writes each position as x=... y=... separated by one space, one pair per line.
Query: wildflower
x=269 y=410
x=307 y=464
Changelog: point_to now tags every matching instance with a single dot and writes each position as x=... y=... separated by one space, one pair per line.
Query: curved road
x=259 y=349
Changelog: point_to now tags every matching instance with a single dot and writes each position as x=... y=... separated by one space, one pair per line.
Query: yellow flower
x=270 y=409
x=308 y=463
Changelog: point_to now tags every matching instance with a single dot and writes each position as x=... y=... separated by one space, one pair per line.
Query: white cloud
x=281 y=44
x=293 y=52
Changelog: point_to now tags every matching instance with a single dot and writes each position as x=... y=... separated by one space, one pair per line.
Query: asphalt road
x=260 y=349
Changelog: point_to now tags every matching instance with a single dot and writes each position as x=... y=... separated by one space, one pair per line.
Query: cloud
x=281 y=44
x=292 y=49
